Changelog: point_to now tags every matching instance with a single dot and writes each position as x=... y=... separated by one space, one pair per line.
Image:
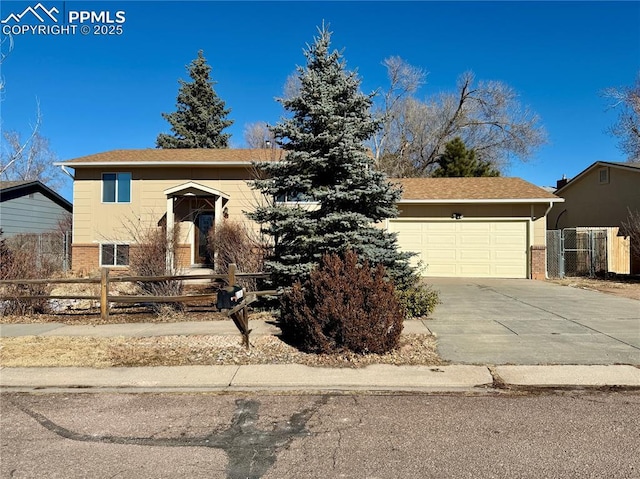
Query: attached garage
x=474 y=227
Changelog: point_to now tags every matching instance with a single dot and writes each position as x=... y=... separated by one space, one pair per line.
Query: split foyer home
x=473 y=227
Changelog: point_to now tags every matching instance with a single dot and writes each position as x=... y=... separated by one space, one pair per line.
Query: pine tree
x=458 y=162
x=201 y=114
x=339 y=195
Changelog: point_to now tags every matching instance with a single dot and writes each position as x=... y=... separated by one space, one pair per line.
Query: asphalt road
x=552 y=435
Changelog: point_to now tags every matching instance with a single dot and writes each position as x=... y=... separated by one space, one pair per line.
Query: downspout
x=66 y=172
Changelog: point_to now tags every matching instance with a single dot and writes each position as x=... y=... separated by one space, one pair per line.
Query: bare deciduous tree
x=627 y=127
x=404 y=80
x=487 y=116
x=30 y=159
x=258 y=135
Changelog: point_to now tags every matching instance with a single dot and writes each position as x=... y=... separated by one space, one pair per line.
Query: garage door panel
x=436 y=240
x=466 y=248
x=471 y=256
x=473 y=241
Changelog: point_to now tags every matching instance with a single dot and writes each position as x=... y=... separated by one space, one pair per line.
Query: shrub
x=631 y=228
x=148 y=257
x=230 y=242
x=343 y=306
x=418 y=300
x=19 y=261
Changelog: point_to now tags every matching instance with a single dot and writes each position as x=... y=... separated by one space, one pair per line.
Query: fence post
x=232 y=274
x=104 y=293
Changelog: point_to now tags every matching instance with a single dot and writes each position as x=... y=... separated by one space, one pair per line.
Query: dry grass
x=623 y=287
x=36 y=351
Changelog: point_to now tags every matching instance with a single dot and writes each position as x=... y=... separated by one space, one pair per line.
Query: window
x=603 y=175
x=294 y=197
x=114 y=255
x=116 y=187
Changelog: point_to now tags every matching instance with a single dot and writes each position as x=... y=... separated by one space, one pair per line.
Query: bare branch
x=487 y=116
x=258 y=135
x=627 y=126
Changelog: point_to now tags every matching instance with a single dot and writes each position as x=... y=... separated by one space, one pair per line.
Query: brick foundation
x=85 y=258
x=538 y=262
x=183 y=256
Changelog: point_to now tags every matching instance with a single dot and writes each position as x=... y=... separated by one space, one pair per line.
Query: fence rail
x=105 y=298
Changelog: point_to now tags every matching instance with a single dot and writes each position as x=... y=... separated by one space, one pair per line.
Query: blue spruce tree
x=334 y=197
x=201 y=114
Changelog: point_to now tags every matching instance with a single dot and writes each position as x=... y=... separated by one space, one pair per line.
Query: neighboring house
x=30 y=207
x=601 y=196
x=458 y=226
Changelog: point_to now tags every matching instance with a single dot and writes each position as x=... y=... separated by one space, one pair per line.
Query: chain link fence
x=577 y=252
x=50 y=251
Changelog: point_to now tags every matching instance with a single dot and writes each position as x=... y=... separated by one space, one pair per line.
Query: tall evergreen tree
x=327 y=164
x=201 y=114
x=457 y=161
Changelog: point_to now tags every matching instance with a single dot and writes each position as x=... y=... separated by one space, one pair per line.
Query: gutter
x=134 y=164
x=64 y=169
x=484 y=200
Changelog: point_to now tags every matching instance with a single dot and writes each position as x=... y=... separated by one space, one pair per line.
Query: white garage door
x=480 y=249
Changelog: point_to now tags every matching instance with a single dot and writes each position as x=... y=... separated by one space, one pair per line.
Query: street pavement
x=494 y=334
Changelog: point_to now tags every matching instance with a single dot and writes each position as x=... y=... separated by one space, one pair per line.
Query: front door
x=204 y=222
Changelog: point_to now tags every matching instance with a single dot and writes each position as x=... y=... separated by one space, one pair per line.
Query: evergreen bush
x=343 y=306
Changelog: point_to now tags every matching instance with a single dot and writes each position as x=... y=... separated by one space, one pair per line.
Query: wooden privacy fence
x=237 y=313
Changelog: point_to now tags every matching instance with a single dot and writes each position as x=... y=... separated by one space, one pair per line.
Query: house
x=30 y=207
x=600 y=196
x=458 y=226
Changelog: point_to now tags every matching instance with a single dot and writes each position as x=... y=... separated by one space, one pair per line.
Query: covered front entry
x=466 y=248
x=199 y=208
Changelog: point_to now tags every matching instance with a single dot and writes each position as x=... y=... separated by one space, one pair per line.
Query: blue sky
x=104 y=92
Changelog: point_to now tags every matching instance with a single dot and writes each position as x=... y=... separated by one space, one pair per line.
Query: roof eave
x=484 y=200
x=133 y=164
x=593 y=166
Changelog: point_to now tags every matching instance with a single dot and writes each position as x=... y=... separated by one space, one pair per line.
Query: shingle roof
x=486 y=188
x=16 y=189
x=156 y=156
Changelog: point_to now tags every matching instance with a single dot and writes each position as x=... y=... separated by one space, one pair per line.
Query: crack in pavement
x=250 y=451
x=574 y=321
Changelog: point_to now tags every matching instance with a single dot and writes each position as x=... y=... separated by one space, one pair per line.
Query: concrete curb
x=576 y=376
x=288 y=377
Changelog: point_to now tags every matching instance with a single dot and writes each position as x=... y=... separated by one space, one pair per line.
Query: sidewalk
x=289 y=377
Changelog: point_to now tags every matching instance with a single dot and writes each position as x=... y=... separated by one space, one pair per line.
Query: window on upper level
x=116 y=187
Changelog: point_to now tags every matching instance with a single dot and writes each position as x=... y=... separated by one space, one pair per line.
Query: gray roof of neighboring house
x=15 y=189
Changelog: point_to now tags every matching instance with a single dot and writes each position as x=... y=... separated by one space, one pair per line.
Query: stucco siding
x=33 y=213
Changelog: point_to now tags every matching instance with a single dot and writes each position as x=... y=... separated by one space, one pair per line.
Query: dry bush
x=231 y=242
x=148 y=257
x=343 y=306
x=631 y=228
x=19 y=260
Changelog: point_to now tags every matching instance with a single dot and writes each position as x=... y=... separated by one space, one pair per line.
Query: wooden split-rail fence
x=238 y=313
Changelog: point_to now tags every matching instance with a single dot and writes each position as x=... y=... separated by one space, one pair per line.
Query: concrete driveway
x=507 y=321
